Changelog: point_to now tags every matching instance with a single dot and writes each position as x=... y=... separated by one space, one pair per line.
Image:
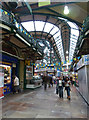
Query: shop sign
x=80 y=63
x=1 y=83
x=13 y=65
x=83 y=61
x=86 y=59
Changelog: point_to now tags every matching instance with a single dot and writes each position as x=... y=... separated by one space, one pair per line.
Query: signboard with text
x=83 y=61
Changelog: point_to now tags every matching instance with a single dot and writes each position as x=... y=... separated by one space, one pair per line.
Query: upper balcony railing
x=85 y=25
x=10 y=19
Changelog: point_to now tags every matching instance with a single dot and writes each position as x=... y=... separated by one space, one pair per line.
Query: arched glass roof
x=48 y=28
x=52 y=29
x=73 y=39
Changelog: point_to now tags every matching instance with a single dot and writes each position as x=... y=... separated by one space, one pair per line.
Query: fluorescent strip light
x=34 y=49
x=23 y=39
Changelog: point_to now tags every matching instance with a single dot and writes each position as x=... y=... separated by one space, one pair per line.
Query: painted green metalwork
x=28 y=6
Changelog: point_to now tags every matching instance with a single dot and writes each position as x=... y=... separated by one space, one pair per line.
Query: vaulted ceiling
x=53 y=14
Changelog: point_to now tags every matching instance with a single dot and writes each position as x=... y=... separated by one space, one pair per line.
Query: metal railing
x=85 y=25
x=10 y=19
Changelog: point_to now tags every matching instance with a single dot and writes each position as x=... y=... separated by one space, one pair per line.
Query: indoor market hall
x=44 y=59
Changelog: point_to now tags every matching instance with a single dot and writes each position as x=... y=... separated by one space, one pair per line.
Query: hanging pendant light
x=66 y=10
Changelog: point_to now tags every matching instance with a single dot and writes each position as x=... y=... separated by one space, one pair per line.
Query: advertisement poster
x=1 y=83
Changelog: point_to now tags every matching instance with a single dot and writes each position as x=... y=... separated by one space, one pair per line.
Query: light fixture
x=66 y=10
x=66 y=57
x=66 y=52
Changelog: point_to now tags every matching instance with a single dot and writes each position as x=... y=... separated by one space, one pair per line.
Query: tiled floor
x=44 y=104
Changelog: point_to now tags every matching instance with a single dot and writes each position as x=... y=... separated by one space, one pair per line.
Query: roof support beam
x=34 y=25
x=28 y=6
x=47 y=17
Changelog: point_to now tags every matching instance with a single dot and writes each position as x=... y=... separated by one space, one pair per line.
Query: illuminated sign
x=83 y=61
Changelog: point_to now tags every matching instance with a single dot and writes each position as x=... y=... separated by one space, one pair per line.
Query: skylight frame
x=49 y=28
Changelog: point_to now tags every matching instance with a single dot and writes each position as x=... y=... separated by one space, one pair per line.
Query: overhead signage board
x=83 y=61
x=86 y=59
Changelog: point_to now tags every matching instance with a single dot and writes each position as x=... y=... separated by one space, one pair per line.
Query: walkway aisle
x=44 y=104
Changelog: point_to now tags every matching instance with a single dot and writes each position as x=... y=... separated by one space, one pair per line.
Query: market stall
x=32 y=81
x=10 y=67
x=7 y=77
x=83 y=77
x=35 y=82
x=1 y=82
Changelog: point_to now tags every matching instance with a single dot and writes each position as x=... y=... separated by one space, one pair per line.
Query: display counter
x=33 y=83
x=7 y=78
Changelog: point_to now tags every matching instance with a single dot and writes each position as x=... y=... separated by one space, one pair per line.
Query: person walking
x=67 y=87
x=60 y=88
x=57 y=85
x=45 y=78
x=71 y=80
x=16 y=84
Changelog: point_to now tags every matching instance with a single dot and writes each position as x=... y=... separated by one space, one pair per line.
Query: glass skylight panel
x=62 y=18
x=75 y=32
x=41 y=44
x=73 y=44
x=56 y=35
x=48 y=27
x=72 y=25
x=73 y=35
x=39 y=25
x=54 y=30
x=73 y=38
x=48 y=43
x=29 y=26
x=60 y=49
x=57 y=42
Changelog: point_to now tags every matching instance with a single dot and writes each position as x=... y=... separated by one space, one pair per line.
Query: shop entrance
x=13 y=75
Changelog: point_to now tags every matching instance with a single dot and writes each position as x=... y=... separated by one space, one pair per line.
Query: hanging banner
x=1 y=83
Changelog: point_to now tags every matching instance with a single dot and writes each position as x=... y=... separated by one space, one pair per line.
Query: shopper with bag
x=16 y=84
x=57 y=85
x=67 y=87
